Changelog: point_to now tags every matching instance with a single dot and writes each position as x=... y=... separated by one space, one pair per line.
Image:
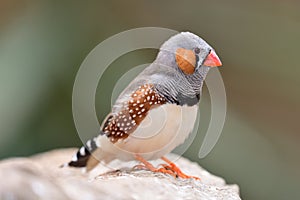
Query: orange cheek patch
x=186 y=60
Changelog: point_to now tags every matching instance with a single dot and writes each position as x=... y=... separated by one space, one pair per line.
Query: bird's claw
x=140 y=167
x=169 y=168
x=165 y=170
x=176 y=172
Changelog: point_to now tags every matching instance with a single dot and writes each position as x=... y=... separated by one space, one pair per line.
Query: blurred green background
x=42 y=44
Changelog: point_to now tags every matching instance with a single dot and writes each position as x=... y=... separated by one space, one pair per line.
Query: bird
x=157 y=111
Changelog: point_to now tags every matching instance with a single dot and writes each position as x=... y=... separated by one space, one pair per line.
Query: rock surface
x=39 y=177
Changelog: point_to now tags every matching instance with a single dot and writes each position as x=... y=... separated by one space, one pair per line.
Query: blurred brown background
x=42 y=44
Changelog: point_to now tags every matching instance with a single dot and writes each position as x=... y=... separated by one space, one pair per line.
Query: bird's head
x=189 y=53
x=181 y=66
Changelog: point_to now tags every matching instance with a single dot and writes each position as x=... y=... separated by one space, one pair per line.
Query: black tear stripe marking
x=197 y=61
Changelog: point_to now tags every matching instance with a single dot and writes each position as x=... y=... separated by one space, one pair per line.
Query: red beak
x=212 y=60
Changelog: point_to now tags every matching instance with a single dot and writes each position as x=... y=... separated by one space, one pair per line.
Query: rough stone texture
x=39 y=177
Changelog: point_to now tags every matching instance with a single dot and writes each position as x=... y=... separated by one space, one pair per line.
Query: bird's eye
x=197 y=50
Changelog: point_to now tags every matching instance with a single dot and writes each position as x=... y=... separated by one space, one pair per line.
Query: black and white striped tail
x=83 y=154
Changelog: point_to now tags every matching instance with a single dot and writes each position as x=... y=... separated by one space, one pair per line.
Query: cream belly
x=163 y=129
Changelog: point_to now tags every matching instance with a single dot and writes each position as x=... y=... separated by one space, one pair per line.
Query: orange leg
x=149 y=166
x=171 y=166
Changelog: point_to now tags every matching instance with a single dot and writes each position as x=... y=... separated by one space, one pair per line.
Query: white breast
x=163 y=129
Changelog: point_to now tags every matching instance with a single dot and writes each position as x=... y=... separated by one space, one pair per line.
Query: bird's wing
x=131 y=111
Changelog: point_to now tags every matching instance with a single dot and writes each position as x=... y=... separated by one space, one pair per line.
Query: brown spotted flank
x=120 y=125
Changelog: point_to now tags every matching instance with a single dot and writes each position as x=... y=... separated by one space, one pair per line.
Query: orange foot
x=169 y=168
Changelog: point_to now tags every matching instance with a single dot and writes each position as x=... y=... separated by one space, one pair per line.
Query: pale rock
x=40 y=177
